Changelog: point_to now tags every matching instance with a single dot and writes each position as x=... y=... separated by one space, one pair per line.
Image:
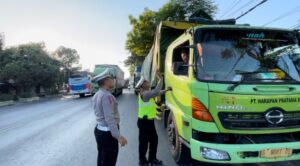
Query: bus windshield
x=79 y=74
x=249 y=55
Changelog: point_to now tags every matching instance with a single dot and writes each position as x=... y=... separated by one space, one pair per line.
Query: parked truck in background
x=117 y=74
x=239 y=101
x=79 y=83
x=136 y=77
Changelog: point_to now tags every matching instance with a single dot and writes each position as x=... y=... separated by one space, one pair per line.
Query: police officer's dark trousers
x=108 y=148
x=147 y=139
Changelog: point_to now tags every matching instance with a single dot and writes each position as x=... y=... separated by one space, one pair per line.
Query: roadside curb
x=6 y=103
x=53 y=96
x=26 y=100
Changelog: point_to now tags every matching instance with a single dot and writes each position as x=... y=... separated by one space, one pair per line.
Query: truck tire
x=81 y=95
x=166 y=117
x=180 y=152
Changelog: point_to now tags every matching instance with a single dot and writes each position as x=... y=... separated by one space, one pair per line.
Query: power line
x=263 y=1
x=242 y=7
x=294 y=10
x=236 y=2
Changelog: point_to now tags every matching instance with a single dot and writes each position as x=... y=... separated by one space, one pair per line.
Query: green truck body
x=239 y=101
x=116 y=73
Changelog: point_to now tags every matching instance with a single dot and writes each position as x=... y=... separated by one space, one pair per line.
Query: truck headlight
x=214 y=154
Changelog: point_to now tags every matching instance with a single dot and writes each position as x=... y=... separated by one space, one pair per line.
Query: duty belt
x=102 y=128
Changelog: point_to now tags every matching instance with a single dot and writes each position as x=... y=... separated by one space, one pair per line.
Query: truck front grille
x=257 y=121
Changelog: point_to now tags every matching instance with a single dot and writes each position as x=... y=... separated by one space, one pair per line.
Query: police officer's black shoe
x=155 y=162
x=143 y=163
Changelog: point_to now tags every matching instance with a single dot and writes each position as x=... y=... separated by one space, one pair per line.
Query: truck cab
x=236 y=99
x=239 y=101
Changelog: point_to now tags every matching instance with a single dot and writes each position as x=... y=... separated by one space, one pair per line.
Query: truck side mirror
x=180 y=68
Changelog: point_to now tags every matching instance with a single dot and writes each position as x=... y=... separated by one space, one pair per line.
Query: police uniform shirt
x=106 y=111
x=147 y=95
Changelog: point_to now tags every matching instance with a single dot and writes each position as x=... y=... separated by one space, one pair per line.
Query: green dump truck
x=116 y=73
x=239 y=101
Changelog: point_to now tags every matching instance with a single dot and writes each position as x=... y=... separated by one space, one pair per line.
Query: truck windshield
x=248 y=55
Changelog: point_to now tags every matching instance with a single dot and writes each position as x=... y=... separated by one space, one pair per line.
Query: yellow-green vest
x=147 y=108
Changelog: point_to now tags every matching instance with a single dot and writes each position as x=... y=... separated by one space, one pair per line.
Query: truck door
x=177 y=76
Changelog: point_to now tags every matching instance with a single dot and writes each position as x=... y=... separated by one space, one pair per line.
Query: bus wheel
x=180 y=152
x=81 y=95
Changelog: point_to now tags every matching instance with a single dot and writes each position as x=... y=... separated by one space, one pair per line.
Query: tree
x=30 y=67
x=67 y=57
x=140 y=38
x=1 y=42
x=181 y=9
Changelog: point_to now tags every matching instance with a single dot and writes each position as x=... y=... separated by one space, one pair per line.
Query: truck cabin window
x=236 y=55
x=181 y=60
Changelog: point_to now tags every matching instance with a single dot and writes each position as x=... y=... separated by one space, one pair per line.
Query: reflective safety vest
x=147 y=109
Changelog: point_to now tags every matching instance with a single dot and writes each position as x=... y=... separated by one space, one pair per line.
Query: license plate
x=276 y=153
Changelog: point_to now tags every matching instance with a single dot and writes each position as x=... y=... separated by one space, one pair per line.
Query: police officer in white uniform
x=107 y=131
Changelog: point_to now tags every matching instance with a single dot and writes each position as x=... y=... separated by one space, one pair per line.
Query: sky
x=97 y=29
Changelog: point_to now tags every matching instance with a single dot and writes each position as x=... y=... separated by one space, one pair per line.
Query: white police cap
x=101 y=76
x=140 y=83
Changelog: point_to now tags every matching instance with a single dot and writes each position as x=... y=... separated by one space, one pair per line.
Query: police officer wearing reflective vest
x=107 y=131
x=146 y=115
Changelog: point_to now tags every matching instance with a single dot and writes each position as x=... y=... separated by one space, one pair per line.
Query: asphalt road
x=59 y=132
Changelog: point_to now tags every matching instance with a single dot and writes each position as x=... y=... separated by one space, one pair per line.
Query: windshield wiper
x=233 y=86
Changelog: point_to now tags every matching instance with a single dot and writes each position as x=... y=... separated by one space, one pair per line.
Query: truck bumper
x=236 y=152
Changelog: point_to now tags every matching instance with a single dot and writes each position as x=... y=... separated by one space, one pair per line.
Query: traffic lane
x=11 y=114
x=64 y=137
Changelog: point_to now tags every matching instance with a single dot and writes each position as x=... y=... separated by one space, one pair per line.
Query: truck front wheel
x=180 y=152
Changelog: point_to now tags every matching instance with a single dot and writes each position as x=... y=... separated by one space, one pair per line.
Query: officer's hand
x=169 y=88
x=122 y=140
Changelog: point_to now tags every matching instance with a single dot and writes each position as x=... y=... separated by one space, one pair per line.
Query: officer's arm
x=107 y=104
x=147 y=95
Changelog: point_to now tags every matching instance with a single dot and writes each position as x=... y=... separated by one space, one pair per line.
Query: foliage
x=140 y=38
x=134 y=59
x=26 y=95
x=67 y=56
x=6 y=97
x=1 y=42
x=29 y=66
